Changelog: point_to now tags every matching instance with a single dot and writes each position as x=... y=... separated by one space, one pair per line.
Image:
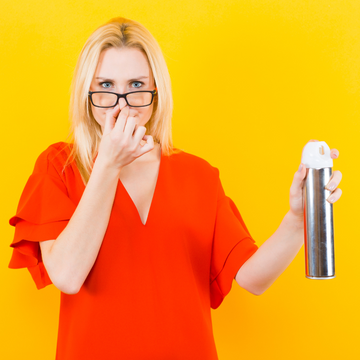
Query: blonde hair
x=85 y=133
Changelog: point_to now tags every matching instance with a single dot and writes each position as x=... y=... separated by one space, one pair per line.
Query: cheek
x=98 y=114
x=143 y=114
x=149 y=111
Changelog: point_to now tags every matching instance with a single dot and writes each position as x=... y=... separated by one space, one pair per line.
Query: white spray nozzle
x=316 y=155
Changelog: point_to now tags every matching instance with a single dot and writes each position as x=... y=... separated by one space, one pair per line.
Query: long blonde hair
x=85 y=133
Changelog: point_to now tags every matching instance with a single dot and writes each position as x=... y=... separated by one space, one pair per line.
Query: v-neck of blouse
x=154 y=196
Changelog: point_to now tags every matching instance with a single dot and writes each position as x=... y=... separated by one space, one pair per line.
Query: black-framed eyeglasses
x=107 y=99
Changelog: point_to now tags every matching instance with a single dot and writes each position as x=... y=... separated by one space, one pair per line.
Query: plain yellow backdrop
x=253 y=81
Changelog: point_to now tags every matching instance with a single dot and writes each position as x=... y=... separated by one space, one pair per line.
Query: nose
x=122 y=103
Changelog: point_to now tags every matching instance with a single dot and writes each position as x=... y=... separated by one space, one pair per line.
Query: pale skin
x=260 y=271
x=125 y=152
x=122 y=71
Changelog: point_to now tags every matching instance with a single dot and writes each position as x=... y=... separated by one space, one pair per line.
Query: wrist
x=295 y=220
x=105 y=166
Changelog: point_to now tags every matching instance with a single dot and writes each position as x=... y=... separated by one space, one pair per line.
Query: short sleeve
x=43 y=211
x=232 y=246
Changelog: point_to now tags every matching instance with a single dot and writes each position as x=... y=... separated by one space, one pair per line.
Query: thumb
x=300 y=169
x=298 y=181
x=110 y=119
x=300 y=174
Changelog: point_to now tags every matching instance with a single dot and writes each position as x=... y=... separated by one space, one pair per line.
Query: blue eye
x=110 y=83
x=105 y=82
x=139 y=82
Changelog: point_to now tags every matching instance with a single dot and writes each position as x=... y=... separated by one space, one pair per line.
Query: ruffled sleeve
x=43 y=211
x=232 y=246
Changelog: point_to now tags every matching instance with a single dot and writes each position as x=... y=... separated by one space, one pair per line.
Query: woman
x=139 y=236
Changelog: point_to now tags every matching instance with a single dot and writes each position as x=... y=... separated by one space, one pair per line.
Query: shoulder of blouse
x=196 y=164
x=53 y=158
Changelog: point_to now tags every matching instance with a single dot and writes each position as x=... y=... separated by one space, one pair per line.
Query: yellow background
x=253 y=81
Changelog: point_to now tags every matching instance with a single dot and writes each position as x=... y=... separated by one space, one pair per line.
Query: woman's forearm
x=74 y=252
x=273 y=256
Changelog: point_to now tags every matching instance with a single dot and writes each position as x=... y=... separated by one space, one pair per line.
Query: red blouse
x=150 y=290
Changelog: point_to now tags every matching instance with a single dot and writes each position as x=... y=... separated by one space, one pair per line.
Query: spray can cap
x=316 y=155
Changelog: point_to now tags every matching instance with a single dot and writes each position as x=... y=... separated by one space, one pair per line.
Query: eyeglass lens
x=134 y=99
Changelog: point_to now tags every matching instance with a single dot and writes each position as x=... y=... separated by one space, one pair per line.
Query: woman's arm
x=69 y=259
x=273 y=256
x=276 y=254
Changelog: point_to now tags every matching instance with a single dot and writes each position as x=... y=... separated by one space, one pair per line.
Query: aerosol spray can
x=318 y=212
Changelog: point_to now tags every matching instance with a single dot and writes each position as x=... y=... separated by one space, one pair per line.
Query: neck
x=152 y=155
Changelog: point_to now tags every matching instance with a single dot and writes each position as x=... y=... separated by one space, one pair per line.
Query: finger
x=129 y=126
x=334 y=196
x=334 y=153
x=121 y=120
x=139 y=134
x=149 y=144
x=110 y=119
x=334 y=180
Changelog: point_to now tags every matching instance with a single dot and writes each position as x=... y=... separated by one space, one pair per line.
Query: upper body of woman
x=139 y=236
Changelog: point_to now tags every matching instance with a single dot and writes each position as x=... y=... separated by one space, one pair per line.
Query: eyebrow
x=139 y=77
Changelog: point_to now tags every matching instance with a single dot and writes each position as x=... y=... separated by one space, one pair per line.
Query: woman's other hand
x=296 y=189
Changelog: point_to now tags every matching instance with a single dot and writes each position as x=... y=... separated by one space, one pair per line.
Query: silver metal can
x=318 y=213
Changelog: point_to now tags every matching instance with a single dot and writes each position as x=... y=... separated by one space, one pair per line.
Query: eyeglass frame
x=153 y=92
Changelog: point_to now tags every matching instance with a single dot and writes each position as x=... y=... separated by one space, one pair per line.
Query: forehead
x=122 y=64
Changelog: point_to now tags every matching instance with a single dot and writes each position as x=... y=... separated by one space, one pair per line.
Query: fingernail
x=300 y=167
x=331 y=186
x=331 y=199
